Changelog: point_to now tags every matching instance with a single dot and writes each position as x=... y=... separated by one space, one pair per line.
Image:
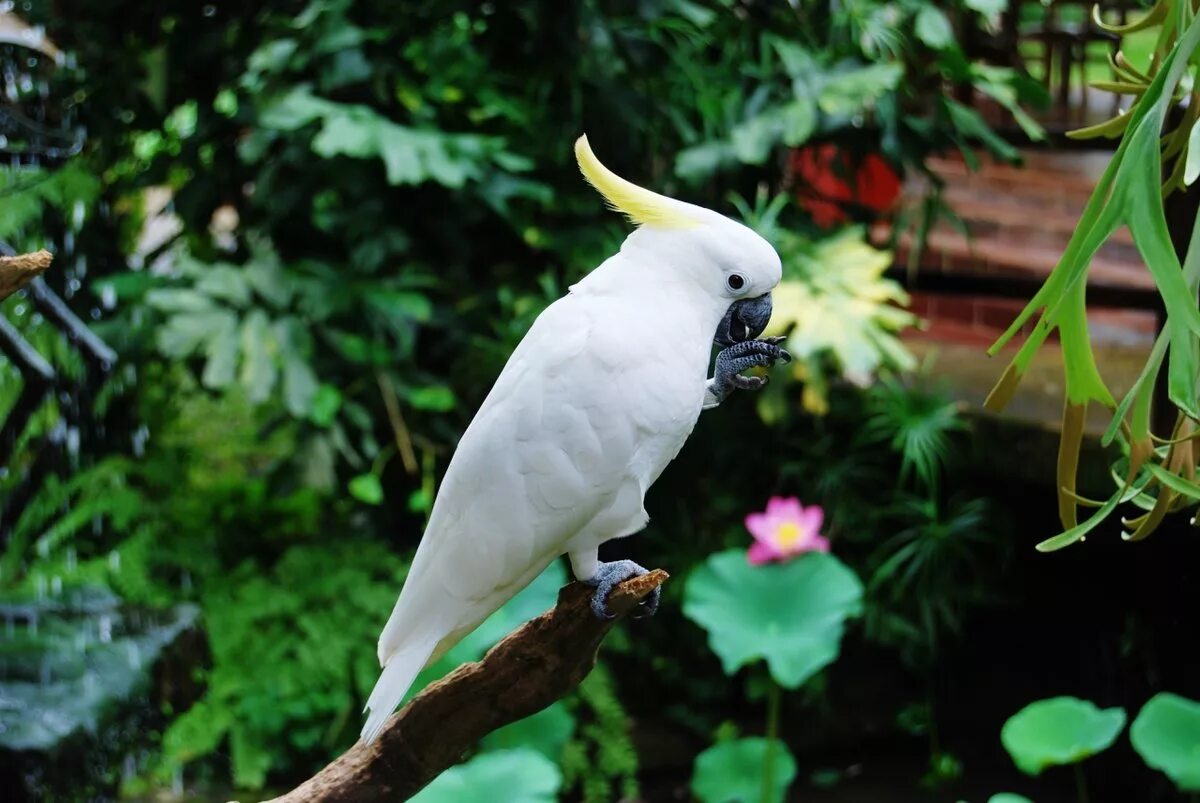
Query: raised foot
x=742 y=356
x=612 y=574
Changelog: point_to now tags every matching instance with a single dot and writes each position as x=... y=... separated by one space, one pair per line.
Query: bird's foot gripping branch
x=532 y=667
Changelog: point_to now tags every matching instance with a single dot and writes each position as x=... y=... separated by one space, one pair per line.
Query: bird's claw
x=608 y=577
x=741 y=357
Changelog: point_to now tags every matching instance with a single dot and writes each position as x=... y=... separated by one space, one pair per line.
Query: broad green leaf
x=350 y=132
x=1166 y=734
x=933 y=28
x=799 y=121
x=399 y=305
x=259 y=371
x=222 y=351
x=732 y=772
x=1059 y=730
x=701 y=161
x=515 y=776
x=299 y=385
x=183 y=334
x=325 y=404
x=295 y=109
x=547 y=731
x=971 y=124
x=367 y=489
x=753 y=139
x=1008 y=797
x=225 y=282
x=179 y=299
x=845 y=93
x=790 y=614
x=437 y=398
x=988 y=8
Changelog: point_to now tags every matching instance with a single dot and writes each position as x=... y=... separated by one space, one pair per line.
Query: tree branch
x=528 y=670
x=16 y=272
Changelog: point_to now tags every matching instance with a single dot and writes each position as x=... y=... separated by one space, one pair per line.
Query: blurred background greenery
x=313 y=233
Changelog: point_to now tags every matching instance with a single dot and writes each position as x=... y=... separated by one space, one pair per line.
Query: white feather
x=594 y=403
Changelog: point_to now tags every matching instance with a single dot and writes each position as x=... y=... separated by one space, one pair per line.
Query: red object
x=832 y=183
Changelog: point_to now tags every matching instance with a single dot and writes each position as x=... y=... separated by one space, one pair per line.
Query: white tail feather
x=393 y=683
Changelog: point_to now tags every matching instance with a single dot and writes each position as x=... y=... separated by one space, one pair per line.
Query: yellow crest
x=642 y=206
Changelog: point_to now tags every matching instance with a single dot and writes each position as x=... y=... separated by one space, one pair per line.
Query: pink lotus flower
x=785 y=530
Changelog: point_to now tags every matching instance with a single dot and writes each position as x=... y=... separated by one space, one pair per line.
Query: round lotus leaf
x=1060 y=730
x=1008 y=797
x=790 y=614
x=732 y=772
x=1166 y=734
x=521 y=776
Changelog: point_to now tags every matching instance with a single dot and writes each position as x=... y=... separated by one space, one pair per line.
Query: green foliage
x=548 y=732
x=791 y=615
x=1008 y=797
x=600 y=763
x=1166 y=734
x=1059 y=730
x=524 y=775
x=822 y=72
x=1130 y=193
x=917 y=422
x=732 y=772
x=267 y=687
x=840 y=315
x=405 y=204
x=27 y=195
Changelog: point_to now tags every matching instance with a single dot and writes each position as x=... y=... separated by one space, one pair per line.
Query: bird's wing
x=548 y=449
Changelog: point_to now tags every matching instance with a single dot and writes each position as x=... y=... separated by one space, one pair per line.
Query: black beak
x=745 y=320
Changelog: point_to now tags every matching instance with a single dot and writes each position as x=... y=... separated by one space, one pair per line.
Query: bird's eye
x=735 y=281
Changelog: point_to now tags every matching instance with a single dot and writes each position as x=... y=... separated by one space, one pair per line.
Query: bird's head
x=717 y=259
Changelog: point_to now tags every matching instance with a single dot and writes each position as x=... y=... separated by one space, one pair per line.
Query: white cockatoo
x=594 y=403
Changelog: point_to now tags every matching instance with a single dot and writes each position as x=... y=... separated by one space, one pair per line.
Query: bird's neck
x=662 y=296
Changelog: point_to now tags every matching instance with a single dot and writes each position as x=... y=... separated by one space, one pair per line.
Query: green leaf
x=1192 y=169
x=350 y=132
x=1008 y=797
x=179 y=299
x=226 y=283
x=1060 y=730
x=547 y=732
x=325 y=404
x=970 y=124
x=799 y=121
x=222 y=352
x=846 y=93
x=988 y=8
x=182 y=335
x=933 y=28
x=259 y=371
x=698 y=162
x=1166 y=734
x=518 y=776
x=437 y=398
x=400 y=306
x=299 y=385
x=295 y=109
x=732 y=772
x=753 y=139
x=367 y=489
x=790 y=614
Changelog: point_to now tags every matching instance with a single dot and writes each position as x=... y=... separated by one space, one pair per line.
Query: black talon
x=608 y=577
x=739 y=357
